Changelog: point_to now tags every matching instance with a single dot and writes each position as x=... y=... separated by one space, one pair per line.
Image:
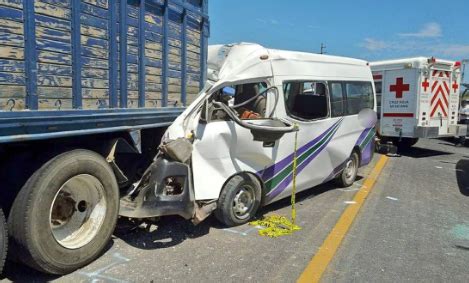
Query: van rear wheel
x=349 y=174
x=239 y=200
x=65 y=214
x=3 y=240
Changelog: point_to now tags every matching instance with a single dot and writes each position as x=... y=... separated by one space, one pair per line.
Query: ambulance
x=417 y=98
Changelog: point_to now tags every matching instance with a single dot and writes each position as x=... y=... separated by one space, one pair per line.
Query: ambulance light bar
x=432 y=60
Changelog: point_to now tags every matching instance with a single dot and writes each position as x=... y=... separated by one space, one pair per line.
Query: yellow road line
x=326 y=252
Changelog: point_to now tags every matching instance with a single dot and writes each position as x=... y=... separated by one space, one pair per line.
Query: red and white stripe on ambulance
x=441 y=89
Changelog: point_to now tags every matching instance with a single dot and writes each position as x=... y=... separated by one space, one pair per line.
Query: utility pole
x=323 y=47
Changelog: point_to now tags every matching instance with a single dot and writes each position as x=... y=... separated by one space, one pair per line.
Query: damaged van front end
x=167 y=186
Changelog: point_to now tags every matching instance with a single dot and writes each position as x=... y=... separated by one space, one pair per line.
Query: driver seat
x=248 y=91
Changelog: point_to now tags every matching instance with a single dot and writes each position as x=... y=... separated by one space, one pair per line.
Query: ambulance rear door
x=399 y=102
x=443 y=104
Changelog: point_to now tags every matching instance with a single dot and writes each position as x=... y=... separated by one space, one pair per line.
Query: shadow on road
x=462 y=175
x=164 y=233
x=170 y=231
x=17 y=272
x=419 y=152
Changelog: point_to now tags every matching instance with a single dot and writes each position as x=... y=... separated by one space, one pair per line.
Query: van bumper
x=157 y=196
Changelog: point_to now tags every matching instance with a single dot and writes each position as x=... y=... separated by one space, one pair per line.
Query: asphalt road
x=413 y=227
x=415 y=224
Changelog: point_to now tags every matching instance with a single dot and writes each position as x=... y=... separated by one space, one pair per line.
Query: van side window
x=359 y=96
x=337 y=99
x=306 y=100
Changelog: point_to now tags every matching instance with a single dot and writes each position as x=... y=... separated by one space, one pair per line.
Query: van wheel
x=239 y=200
x=349 y=174
x=65 y=214
x=3 y=240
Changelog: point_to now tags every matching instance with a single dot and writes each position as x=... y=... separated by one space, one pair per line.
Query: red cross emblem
x=399 y=88
x=455 y=86
x=425 y=85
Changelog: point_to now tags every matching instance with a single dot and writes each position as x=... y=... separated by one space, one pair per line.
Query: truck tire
x=3 y=240
x=65 y=214
x=347 y=177
x=239 y=200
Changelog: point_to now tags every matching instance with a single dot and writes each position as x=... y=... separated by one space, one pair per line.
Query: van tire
x=347 y=177
x=3 y=240
x=241 y=192
x=63 y=190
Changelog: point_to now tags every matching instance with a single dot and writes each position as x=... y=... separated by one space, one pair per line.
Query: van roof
x=249 y=60
x=313 y=57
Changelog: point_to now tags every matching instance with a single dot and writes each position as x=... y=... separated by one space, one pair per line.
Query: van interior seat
x=310 y=106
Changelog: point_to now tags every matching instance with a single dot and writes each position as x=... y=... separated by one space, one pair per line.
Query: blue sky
x=371 y=30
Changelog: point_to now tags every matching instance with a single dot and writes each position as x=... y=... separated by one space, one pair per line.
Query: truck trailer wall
x=68 y=54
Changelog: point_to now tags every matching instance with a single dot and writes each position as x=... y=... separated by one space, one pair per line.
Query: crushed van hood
x=229 y=63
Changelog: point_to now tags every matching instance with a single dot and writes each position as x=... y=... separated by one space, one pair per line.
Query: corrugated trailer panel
x=68 y=54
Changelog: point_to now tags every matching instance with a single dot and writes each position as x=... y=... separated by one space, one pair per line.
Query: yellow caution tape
x=275 y=225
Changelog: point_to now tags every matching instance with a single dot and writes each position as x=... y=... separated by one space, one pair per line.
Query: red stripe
x=434 y=72
x=446 y=87
x=434 y=85
x=441 y=107
x=446 y=100
x=377 y=77
x=433 y=110
x=404 y=115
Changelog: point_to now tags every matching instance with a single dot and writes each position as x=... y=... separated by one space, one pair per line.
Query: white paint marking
x=350 y=202
x=349 y=190
x=96 y=276
x=245 y=233
x=438 y=167
x=391 y=198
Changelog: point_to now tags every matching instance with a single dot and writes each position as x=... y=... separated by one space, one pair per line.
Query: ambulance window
x=306 y=100
x=337 y=99
x=359 y=96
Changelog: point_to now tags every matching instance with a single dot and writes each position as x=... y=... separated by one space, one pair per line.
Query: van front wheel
x=349 y=174
x=239 y=200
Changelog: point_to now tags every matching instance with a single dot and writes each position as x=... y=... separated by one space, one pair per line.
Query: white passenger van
x=232 y=149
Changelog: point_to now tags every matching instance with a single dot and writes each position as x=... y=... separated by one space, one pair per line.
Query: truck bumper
x=166 y=189
x=459 y=130
x=426 y=132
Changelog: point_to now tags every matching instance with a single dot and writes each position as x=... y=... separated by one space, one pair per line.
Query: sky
x=365 y=29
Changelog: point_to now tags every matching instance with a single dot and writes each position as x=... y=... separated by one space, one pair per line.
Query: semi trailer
x=87 y=89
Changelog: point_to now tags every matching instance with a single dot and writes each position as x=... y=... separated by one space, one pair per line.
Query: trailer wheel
x=3 y=240
x=349 y=174
x=239 y=200
x=65 y=214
